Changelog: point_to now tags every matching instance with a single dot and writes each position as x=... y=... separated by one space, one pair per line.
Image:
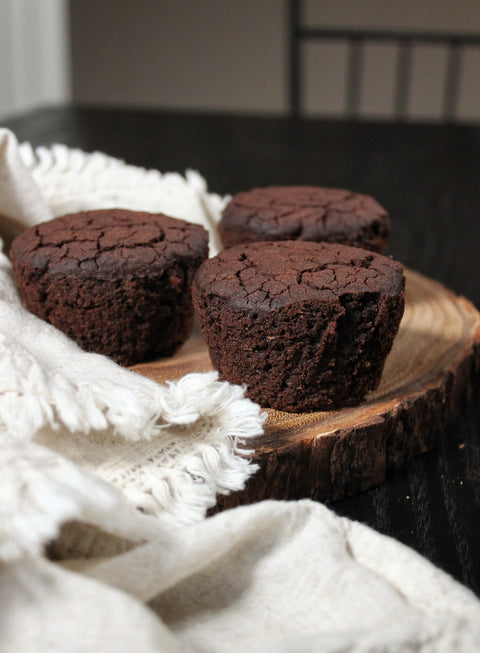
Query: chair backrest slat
x=295 y=71
x=452 y=80
x=354 y=76
x=355 y=40
x=402 y=79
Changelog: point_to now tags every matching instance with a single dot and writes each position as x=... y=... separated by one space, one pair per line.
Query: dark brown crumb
x=305 y=326
x=305 y=213
x=116 y=281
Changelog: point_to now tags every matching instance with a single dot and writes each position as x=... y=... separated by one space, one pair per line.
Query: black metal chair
x=355 y=39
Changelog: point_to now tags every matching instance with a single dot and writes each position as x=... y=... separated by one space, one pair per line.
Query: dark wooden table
x=427 y=176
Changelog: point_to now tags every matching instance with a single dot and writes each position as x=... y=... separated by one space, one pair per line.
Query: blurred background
x=224 y=55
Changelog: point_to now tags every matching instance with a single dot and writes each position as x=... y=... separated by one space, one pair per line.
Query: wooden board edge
x=346 y=462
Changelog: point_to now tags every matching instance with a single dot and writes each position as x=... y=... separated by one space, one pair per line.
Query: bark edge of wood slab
x=431 y=372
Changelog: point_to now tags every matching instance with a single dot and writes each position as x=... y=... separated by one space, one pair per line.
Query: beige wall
x=232 y=54
x=203 y=54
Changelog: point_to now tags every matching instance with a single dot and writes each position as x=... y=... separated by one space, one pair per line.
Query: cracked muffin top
x=108 y=242
x=269 y=275
x=305 y=213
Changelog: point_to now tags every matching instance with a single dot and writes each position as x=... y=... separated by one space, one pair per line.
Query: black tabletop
x=427 y=176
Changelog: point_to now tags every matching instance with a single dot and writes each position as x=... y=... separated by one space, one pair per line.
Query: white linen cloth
x=169 y=449
x=83 y=443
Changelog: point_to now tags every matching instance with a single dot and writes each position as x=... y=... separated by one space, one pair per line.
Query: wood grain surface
x=432 y=370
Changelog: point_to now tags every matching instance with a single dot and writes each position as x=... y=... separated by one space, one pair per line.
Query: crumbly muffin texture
x=305 y=213
x=306 y=326
x=117 y=282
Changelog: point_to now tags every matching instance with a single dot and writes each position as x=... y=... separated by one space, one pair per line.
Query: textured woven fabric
x=275 y=577
x=168 y=449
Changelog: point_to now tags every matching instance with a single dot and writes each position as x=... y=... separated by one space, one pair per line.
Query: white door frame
x=34 y=55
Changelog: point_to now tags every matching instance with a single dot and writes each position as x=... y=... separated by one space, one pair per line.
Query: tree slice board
x=433 y=368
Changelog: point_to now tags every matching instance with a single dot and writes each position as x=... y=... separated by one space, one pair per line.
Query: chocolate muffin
x=306 y=326
x=117 y=282
x=305 y=213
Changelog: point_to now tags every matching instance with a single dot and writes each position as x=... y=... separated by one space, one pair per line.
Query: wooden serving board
x=433 y=368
